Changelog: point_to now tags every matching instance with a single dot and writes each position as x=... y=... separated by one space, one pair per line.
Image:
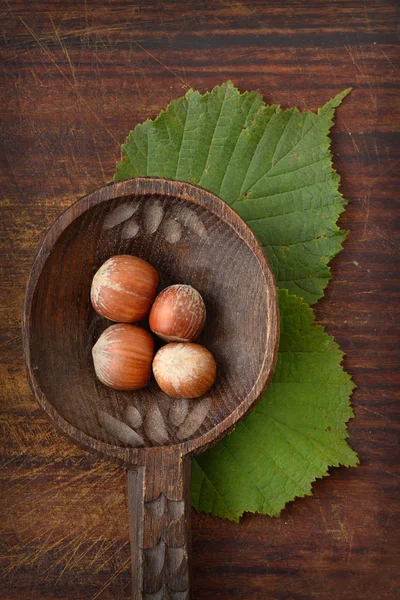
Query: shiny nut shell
x=184 y=370
x=124 y=288
x=178 y=314
x=122 y=357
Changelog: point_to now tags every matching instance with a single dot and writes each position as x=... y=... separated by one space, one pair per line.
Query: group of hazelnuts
x=124 y=290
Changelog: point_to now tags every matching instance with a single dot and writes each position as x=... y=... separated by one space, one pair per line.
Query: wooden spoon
x=190 y=236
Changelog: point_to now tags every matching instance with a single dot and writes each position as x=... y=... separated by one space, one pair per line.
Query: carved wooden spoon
x=190 y=236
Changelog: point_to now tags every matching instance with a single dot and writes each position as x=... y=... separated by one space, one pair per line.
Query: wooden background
x=75 y=77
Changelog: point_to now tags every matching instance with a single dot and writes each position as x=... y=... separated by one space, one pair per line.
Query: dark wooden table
x=75 y=77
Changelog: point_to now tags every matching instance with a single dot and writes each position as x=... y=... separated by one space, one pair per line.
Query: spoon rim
x=180 y=190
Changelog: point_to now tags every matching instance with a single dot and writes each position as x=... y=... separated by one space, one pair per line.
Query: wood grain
x=160 y=524
x=76 y=76
x=60 y=327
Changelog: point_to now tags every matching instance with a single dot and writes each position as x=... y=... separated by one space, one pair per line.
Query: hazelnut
x=122 y=357
x=184 y=370
x=124 y=288
x=178 y=314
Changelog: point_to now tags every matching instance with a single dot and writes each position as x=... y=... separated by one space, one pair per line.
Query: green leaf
x=296 y=432
x=272 y=166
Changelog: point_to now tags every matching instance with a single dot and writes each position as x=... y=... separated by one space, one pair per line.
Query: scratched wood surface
x=75 y=77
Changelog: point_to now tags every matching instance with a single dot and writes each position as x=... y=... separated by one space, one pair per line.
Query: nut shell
x=178 y=314
x=184 y=370
x=122 y=357
x=124 y=288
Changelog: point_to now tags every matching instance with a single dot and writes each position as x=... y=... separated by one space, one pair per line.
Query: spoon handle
x=159 y=514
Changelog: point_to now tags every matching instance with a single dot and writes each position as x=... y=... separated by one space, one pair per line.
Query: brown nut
x=178 y=314
x=122 y=357
x=184 y=370
x=124 y=288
